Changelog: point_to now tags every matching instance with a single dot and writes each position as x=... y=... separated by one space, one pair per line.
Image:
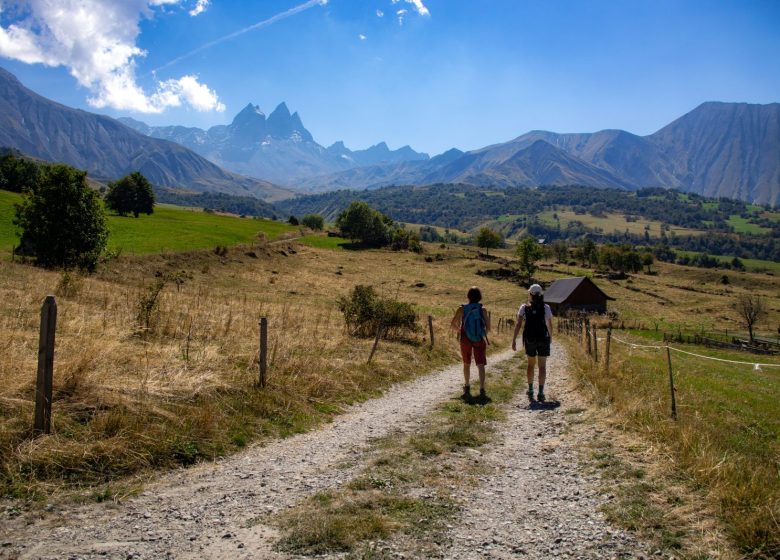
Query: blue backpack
x=473 y=322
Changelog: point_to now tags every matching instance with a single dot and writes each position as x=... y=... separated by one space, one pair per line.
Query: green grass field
x=170 y=228
x=324 y=242
x=727 y=435
x=173 y=228
x=610 y=223
x=741 y=225
x=750 y=264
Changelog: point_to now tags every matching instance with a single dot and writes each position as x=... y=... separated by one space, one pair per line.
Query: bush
x=62 y=221
x=313 y=221
x=404 y=240
x=364 y=312
x=292 y=220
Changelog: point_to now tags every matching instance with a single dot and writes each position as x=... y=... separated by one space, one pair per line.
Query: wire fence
x=587 y=334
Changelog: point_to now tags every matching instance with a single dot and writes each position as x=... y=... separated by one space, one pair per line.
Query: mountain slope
x=106 y=148
x=726 y=149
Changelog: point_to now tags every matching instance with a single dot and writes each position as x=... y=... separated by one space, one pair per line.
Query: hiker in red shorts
x=472 y=323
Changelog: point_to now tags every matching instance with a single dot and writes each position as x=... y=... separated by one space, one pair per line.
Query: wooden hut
x=576 y=294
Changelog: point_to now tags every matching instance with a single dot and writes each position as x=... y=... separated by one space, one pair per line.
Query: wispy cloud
x=200 y=7
x=380 y=13
x=362 y=37
x=96 y=41
x=418 y=6
x=260 y=24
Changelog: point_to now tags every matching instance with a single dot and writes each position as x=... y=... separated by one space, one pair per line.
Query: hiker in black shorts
x=537 y=336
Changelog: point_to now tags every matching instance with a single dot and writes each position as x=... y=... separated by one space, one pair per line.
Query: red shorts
x=466 y=348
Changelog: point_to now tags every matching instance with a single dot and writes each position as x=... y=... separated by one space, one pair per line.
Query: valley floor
x=532 y=497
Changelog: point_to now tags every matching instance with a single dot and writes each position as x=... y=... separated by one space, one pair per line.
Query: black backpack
x=535 y=325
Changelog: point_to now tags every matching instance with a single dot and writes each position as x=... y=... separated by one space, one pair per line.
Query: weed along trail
x=212 y=510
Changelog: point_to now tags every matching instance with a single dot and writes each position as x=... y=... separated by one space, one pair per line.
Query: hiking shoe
x=466 y=391
x=540 y=397
x=482 y=394
x=530 y=394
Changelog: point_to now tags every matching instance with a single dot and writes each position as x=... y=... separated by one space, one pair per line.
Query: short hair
x=474 y=295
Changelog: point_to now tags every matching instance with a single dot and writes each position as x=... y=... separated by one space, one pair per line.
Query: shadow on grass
x=476 y=400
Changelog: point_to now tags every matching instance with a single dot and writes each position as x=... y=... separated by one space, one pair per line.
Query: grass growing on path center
x=405 y=486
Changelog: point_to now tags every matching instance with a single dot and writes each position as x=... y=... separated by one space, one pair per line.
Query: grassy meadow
x=725 y=444
x=132 y=396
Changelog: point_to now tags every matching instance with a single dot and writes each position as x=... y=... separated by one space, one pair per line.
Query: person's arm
x=517 y=330
x=457 y=319
x=548 y=321
x=486 y=318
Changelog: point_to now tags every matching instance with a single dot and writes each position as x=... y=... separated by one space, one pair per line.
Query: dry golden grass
x=127 y=399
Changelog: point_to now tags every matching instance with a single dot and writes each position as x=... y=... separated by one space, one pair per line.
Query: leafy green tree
x=488 y=239
x=560 y=250
x=62 y=221
x=132 y=194
x=17 y=174
x=528 y=252
x=361 y=223
x=293 y=221
x=590 y=252
x=647 y=260
x=313 y=221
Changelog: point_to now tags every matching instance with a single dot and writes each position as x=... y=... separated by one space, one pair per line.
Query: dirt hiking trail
x=533 y=501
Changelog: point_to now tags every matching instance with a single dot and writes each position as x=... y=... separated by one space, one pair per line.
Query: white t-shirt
x=547 y=312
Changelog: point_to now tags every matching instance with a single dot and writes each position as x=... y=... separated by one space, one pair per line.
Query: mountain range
x=277 y=148
x=107 y=149
x=718 y=149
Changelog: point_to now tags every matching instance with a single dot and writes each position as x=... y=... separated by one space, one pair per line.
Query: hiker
x=472 y=323
x=537 y=336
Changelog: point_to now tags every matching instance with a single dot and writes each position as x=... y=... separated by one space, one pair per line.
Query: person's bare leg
x=530 y=369
x=542 y=370
x=481 y=369
x=466 y=372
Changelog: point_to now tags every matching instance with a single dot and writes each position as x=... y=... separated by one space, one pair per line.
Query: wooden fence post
x=376 y=342
x=609 y=341
x=45 y=379
x=263 y=350
x=430 y=328
x=587 y=337
x=671 y=382
x=595 y=345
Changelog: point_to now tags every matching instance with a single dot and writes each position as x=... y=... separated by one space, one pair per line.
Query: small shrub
x=364 y=312
x=69 y=285
x=313 y=221
x=149 y=305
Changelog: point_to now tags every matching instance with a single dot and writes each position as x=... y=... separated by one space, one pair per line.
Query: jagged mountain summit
x=718 y=149
x=107 y=149
x=276 y=148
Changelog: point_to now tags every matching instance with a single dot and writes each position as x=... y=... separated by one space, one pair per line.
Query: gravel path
x=203 y=511
x=533 y=501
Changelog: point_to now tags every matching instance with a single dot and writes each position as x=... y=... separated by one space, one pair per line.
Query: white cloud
x=401 y=13
x=200 y=7
x=419 y=7
x=380 y=13
x=362 y=37
x=96 y=41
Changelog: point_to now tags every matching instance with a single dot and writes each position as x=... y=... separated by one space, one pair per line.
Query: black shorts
x=537 y=347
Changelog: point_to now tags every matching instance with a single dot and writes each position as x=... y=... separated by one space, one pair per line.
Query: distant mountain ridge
x=107 y=149
x=277 y=148
x=718 y=149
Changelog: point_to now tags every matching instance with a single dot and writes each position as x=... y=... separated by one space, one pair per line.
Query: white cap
x=535 y=290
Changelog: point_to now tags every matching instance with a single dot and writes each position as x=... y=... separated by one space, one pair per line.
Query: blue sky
x=439 y=74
